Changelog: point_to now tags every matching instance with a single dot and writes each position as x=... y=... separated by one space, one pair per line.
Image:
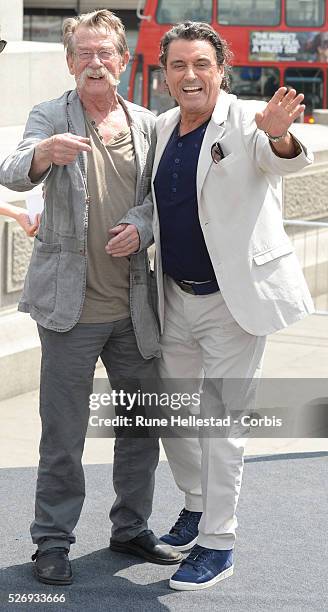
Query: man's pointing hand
x=61 y=149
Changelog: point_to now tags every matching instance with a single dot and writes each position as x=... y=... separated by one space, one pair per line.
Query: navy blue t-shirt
x=183 y=248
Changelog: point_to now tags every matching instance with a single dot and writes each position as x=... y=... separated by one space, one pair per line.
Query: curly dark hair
x=197 y=30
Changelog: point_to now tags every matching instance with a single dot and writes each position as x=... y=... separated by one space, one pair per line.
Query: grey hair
x=197 y=30
x=95 y=20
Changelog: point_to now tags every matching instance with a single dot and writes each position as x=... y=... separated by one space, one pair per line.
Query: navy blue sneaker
x=203 y=568
x=184 y=533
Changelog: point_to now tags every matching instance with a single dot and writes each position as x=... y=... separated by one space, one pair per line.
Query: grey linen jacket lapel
x=76 y=121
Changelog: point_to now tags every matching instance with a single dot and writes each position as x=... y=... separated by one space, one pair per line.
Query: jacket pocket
x=273 y=253
x=226 y=161
x=43 y=270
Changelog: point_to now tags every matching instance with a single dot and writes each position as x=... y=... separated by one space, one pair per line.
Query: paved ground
x=281 y=552
x=280 y=559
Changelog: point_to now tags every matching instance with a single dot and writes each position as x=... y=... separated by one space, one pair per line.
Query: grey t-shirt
x=111 y=184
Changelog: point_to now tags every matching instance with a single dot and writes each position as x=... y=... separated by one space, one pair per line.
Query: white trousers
x=201 y=339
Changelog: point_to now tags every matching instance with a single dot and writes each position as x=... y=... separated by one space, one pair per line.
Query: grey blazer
x=55 y=284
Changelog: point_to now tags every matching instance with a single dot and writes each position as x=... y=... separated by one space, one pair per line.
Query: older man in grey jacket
x=90 y=290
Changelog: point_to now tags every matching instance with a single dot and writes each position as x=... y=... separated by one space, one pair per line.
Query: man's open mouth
x=192 y=89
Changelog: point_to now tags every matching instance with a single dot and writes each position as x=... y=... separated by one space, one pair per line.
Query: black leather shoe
x=52 y=566
x=147 y=546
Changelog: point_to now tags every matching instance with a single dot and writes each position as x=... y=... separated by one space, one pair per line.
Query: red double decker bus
x=275 y=43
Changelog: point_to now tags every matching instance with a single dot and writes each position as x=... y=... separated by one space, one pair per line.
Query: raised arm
x=276 y=119
x=41 y=147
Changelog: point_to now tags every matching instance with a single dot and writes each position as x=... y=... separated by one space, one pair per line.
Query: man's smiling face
x=98 y=73
x=193 y=75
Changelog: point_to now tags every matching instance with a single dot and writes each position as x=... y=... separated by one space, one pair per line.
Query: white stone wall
x=30 y=72
x=11 y=19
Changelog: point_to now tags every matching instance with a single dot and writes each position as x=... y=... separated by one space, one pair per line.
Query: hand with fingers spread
x=61 y=149
x=125 y=240
x=280 y=112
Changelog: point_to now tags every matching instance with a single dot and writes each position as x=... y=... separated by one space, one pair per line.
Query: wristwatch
x=297 y=145
x=276 y=138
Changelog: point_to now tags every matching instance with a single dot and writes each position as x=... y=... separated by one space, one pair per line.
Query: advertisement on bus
x=288 y=46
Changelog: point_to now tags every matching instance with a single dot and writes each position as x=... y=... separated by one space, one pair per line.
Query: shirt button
x=180 y=144
x=175 y=175
x=177 y=160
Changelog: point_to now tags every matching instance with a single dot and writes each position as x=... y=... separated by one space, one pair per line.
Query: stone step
x=19 y=354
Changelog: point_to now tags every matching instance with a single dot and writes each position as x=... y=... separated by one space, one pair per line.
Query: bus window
x=159 y=97
x=249 y=12
x=254 y=82
x=300 y=13
x=173 y=11
x=308 y=81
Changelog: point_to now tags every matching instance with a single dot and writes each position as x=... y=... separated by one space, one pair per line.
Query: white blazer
x=240 y=213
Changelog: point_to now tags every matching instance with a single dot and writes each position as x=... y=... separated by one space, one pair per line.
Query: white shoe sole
x=185 y=546
x=192 y=586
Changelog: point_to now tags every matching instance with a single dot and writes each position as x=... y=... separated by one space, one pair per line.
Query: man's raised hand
x=280 y=112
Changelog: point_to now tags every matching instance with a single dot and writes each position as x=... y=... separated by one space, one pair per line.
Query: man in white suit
x=226 y=268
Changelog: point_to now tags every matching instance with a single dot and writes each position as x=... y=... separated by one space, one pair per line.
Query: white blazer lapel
x=164 y=130
x=215 y=131
x=212 y=134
